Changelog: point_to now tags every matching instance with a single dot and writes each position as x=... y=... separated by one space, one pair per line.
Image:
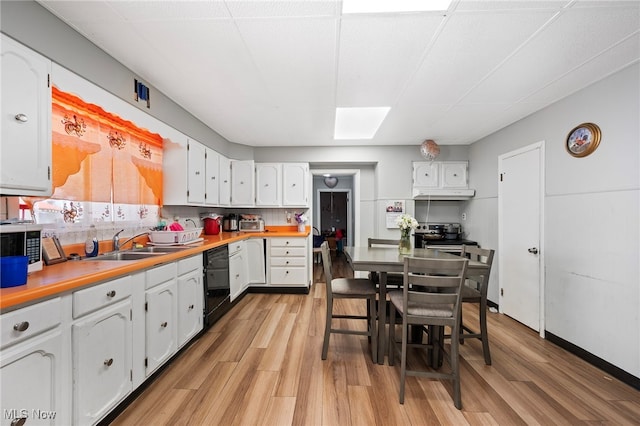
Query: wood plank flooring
x=260 y=365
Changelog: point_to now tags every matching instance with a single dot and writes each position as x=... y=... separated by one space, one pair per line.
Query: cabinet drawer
x=161 y=274
x=288 y=242
x=31 y=320
x=288 y=261
x=288 y=251
x=98 y=296
x=288 y=276
x=191 y=264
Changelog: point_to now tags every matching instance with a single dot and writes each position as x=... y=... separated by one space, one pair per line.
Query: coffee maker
x=230 y=222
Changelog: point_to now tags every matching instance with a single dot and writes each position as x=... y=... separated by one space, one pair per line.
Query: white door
x=189 y=306
x=520 y=219
x=161 y=324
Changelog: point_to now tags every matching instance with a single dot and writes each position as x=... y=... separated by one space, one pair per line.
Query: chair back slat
x=326 y=262
x=435 y=283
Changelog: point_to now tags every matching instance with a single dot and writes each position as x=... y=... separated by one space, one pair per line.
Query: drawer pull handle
x=286 y=272
x=190 y=307
x=287 y=262
x=21 y=326
x=108 y=362
x=23 y=119
x=163 y=325
x=111 y=293
x=19 y=422
x=287 y=252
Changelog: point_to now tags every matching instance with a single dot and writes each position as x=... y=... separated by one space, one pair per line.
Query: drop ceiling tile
x=75 y=12
x=612 y=60
x=280 y=8
x=296 y=58
x=410 y=125
x=479 y=117
x=468 y=49
x=378 y=54
x=501 y=5
x=170 y=10
x=557 y=50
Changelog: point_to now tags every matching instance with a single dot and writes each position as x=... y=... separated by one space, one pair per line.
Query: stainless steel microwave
x=22 y=239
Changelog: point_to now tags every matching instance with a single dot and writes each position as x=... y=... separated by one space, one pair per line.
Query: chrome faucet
x=132 y=238
x=116 y=240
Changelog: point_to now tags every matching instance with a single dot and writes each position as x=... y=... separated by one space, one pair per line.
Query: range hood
x=443 y=194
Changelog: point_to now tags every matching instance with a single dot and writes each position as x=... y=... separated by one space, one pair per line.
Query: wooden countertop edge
x=55 y=280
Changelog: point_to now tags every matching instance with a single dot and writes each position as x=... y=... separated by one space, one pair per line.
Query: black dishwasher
x=216 y=284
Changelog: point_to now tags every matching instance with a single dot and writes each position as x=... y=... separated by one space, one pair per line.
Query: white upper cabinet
x=441 y=180
x=426 y=174
x=454 y=174
x=25 y=158
x=195 y=172
x=224 y=194
x=242 y=183
x=268 y=184
x=212 y=177
x=295 y=178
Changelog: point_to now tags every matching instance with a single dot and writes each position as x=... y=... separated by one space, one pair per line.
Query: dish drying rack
x=175 y=237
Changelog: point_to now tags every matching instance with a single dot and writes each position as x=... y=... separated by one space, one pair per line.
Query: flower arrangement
x=301 y=218
x=406 y=223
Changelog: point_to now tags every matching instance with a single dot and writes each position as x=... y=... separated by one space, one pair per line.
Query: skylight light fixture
x=359 y=123
x=391 y=6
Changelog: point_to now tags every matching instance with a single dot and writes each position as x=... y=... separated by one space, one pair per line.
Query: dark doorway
x=334 y=211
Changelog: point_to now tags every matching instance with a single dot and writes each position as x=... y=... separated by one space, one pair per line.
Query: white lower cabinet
x=237 y=269
x=161 y=319
x=101 y=336
x=256 y=273
x=34 y=388
x=288 y=262
x=190 y=298
x=101 y=362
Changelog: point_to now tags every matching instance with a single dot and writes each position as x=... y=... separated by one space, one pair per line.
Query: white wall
x=592 y=211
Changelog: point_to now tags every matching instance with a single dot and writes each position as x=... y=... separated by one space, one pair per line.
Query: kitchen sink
x=155 y=249
x=136 y=254
x=124 y=255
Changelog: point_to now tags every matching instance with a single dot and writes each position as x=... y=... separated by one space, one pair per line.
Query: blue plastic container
x=13 y=271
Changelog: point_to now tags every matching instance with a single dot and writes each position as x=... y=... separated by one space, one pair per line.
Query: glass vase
x=404 y=247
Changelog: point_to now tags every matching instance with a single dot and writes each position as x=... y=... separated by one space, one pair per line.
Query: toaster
x=256 y=225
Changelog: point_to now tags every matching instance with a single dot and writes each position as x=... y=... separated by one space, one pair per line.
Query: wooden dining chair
x=475 y=291
x=430 y=297
x=348 y=288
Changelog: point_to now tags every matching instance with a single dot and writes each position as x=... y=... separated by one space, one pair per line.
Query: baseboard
x=603 y=365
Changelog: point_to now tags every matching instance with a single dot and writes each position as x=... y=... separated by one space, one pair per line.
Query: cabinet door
x=32 y=381
x=237 y=275
x=294 y=177
x=426 y=174
x=101 y=362
x=190 y=300
x=161 y=324
x=25 y=163
x=268 y=177
x=196 y=173
x=255 y=260
x=242 y=183
x=454 y=174
x=212 y=177
x=225 y=181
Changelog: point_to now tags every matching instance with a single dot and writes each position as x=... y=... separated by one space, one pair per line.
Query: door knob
x=533 y=250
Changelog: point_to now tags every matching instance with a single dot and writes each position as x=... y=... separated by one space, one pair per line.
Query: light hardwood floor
x=260 y=365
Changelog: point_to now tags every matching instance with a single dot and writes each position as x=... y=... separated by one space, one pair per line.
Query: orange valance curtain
x=100 y=157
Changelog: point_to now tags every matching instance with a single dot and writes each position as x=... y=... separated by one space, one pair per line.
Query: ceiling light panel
x=359 y=123
x=393 y=6
x=378 y=54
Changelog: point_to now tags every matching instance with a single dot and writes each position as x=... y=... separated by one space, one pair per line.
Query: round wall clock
x=583 y=139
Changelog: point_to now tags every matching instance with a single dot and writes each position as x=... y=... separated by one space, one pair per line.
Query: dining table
x=388 y=259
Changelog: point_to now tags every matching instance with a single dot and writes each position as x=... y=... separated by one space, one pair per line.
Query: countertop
x=74 y=274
